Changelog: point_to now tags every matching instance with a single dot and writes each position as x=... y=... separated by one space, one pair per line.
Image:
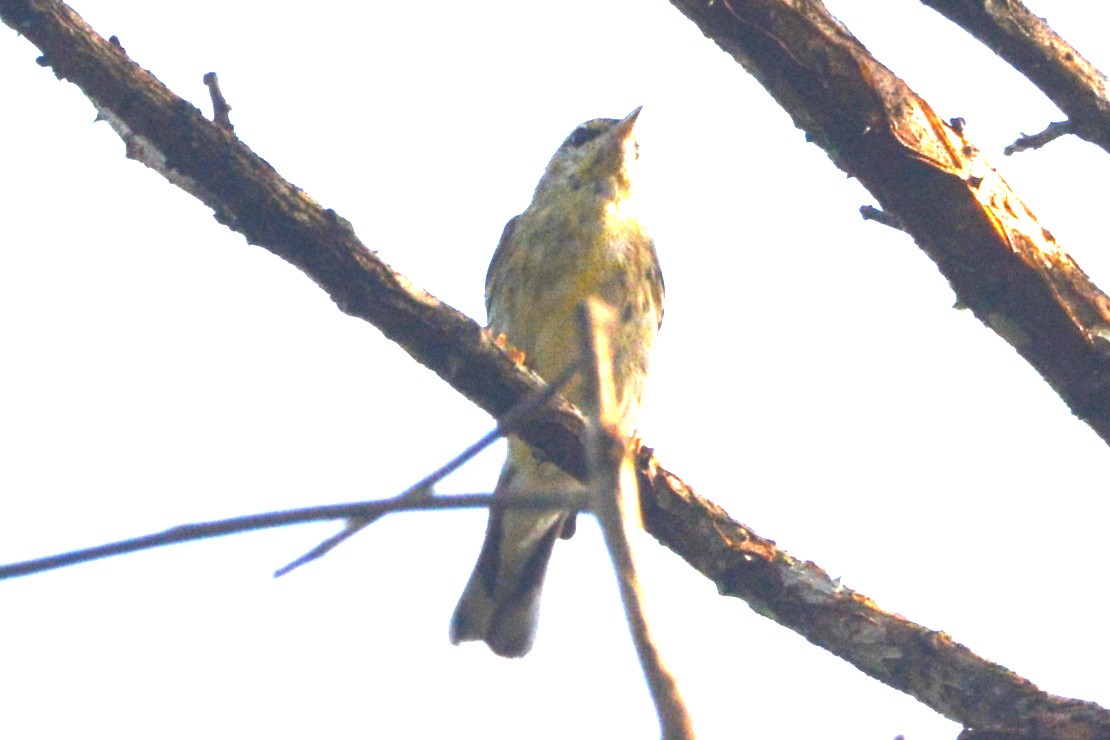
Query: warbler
x=578 y=238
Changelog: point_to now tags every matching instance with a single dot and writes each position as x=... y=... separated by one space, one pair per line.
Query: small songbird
x=578 y=238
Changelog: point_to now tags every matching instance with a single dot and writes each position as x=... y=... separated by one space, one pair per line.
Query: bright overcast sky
x=812 y=377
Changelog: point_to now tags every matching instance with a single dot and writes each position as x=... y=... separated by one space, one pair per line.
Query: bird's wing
x=496 y=271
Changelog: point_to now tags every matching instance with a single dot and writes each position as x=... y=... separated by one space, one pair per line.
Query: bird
x=579 y=237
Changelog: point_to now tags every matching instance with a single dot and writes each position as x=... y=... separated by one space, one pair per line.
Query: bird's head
x=597 y=156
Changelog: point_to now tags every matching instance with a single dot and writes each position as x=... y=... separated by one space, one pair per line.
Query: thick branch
x=248 y=196
x=1001 y=262
x=1031 y=47
x=925 y=664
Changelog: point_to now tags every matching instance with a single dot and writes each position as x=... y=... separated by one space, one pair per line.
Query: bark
x=248 y=196
x=1003 y=265
x=1030 y=46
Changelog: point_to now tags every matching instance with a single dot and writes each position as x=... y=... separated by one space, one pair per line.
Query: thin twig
x=1035 y=141
x=220 y=108
x=886 y=218
x=252 y=522
x=416 y=498
x=423 y=488
x=617 y=506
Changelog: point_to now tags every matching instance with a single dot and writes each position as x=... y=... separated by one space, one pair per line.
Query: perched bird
x=578 y=238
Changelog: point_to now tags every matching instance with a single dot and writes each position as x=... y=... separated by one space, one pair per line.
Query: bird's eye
x=582 y=134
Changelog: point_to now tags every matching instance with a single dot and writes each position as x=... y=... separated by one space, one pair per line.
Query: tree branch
x=617 y=507
x=1051 y=133
x=509 y=422
x=1002 y=264
x=924 y=663
x=1030 y=46
x=248 y=196
x=417 y=497
x=364 y=510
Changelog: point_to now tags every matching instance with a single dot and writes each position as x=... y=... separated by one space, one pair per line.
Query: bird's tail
x=500 y=604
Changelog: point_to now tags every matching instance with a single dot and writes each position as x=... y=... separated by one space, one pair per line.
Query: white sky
x=811 y=377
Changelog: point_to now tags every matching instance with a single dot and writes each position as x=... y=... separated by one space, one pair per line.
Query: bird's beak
x=624 y=128
x=620 y=144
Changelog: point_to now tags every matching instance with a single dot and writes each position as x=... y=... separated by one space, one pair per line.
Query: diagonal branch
x=1002 y=264
x=1030 y=46
x=248 y=195
x=926 y=664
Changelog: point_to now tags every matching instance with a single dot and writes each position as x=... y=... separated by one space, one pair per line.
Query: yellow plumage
x=578 y=238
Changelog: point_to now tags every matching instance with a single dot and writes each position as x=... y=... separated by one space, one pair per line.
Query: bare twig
x=416 y=498
x=354 y=526
x=878 y=215
x=1036 y=141
x=250 y=523
x=220 y=108
x=616 y=503
x=423 y=489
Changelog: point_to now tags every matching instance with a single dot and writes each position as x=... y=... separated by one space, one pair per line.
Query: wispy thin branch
x=510 y=421
x=236 y=525
x=616 y=503
x=417 y=497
